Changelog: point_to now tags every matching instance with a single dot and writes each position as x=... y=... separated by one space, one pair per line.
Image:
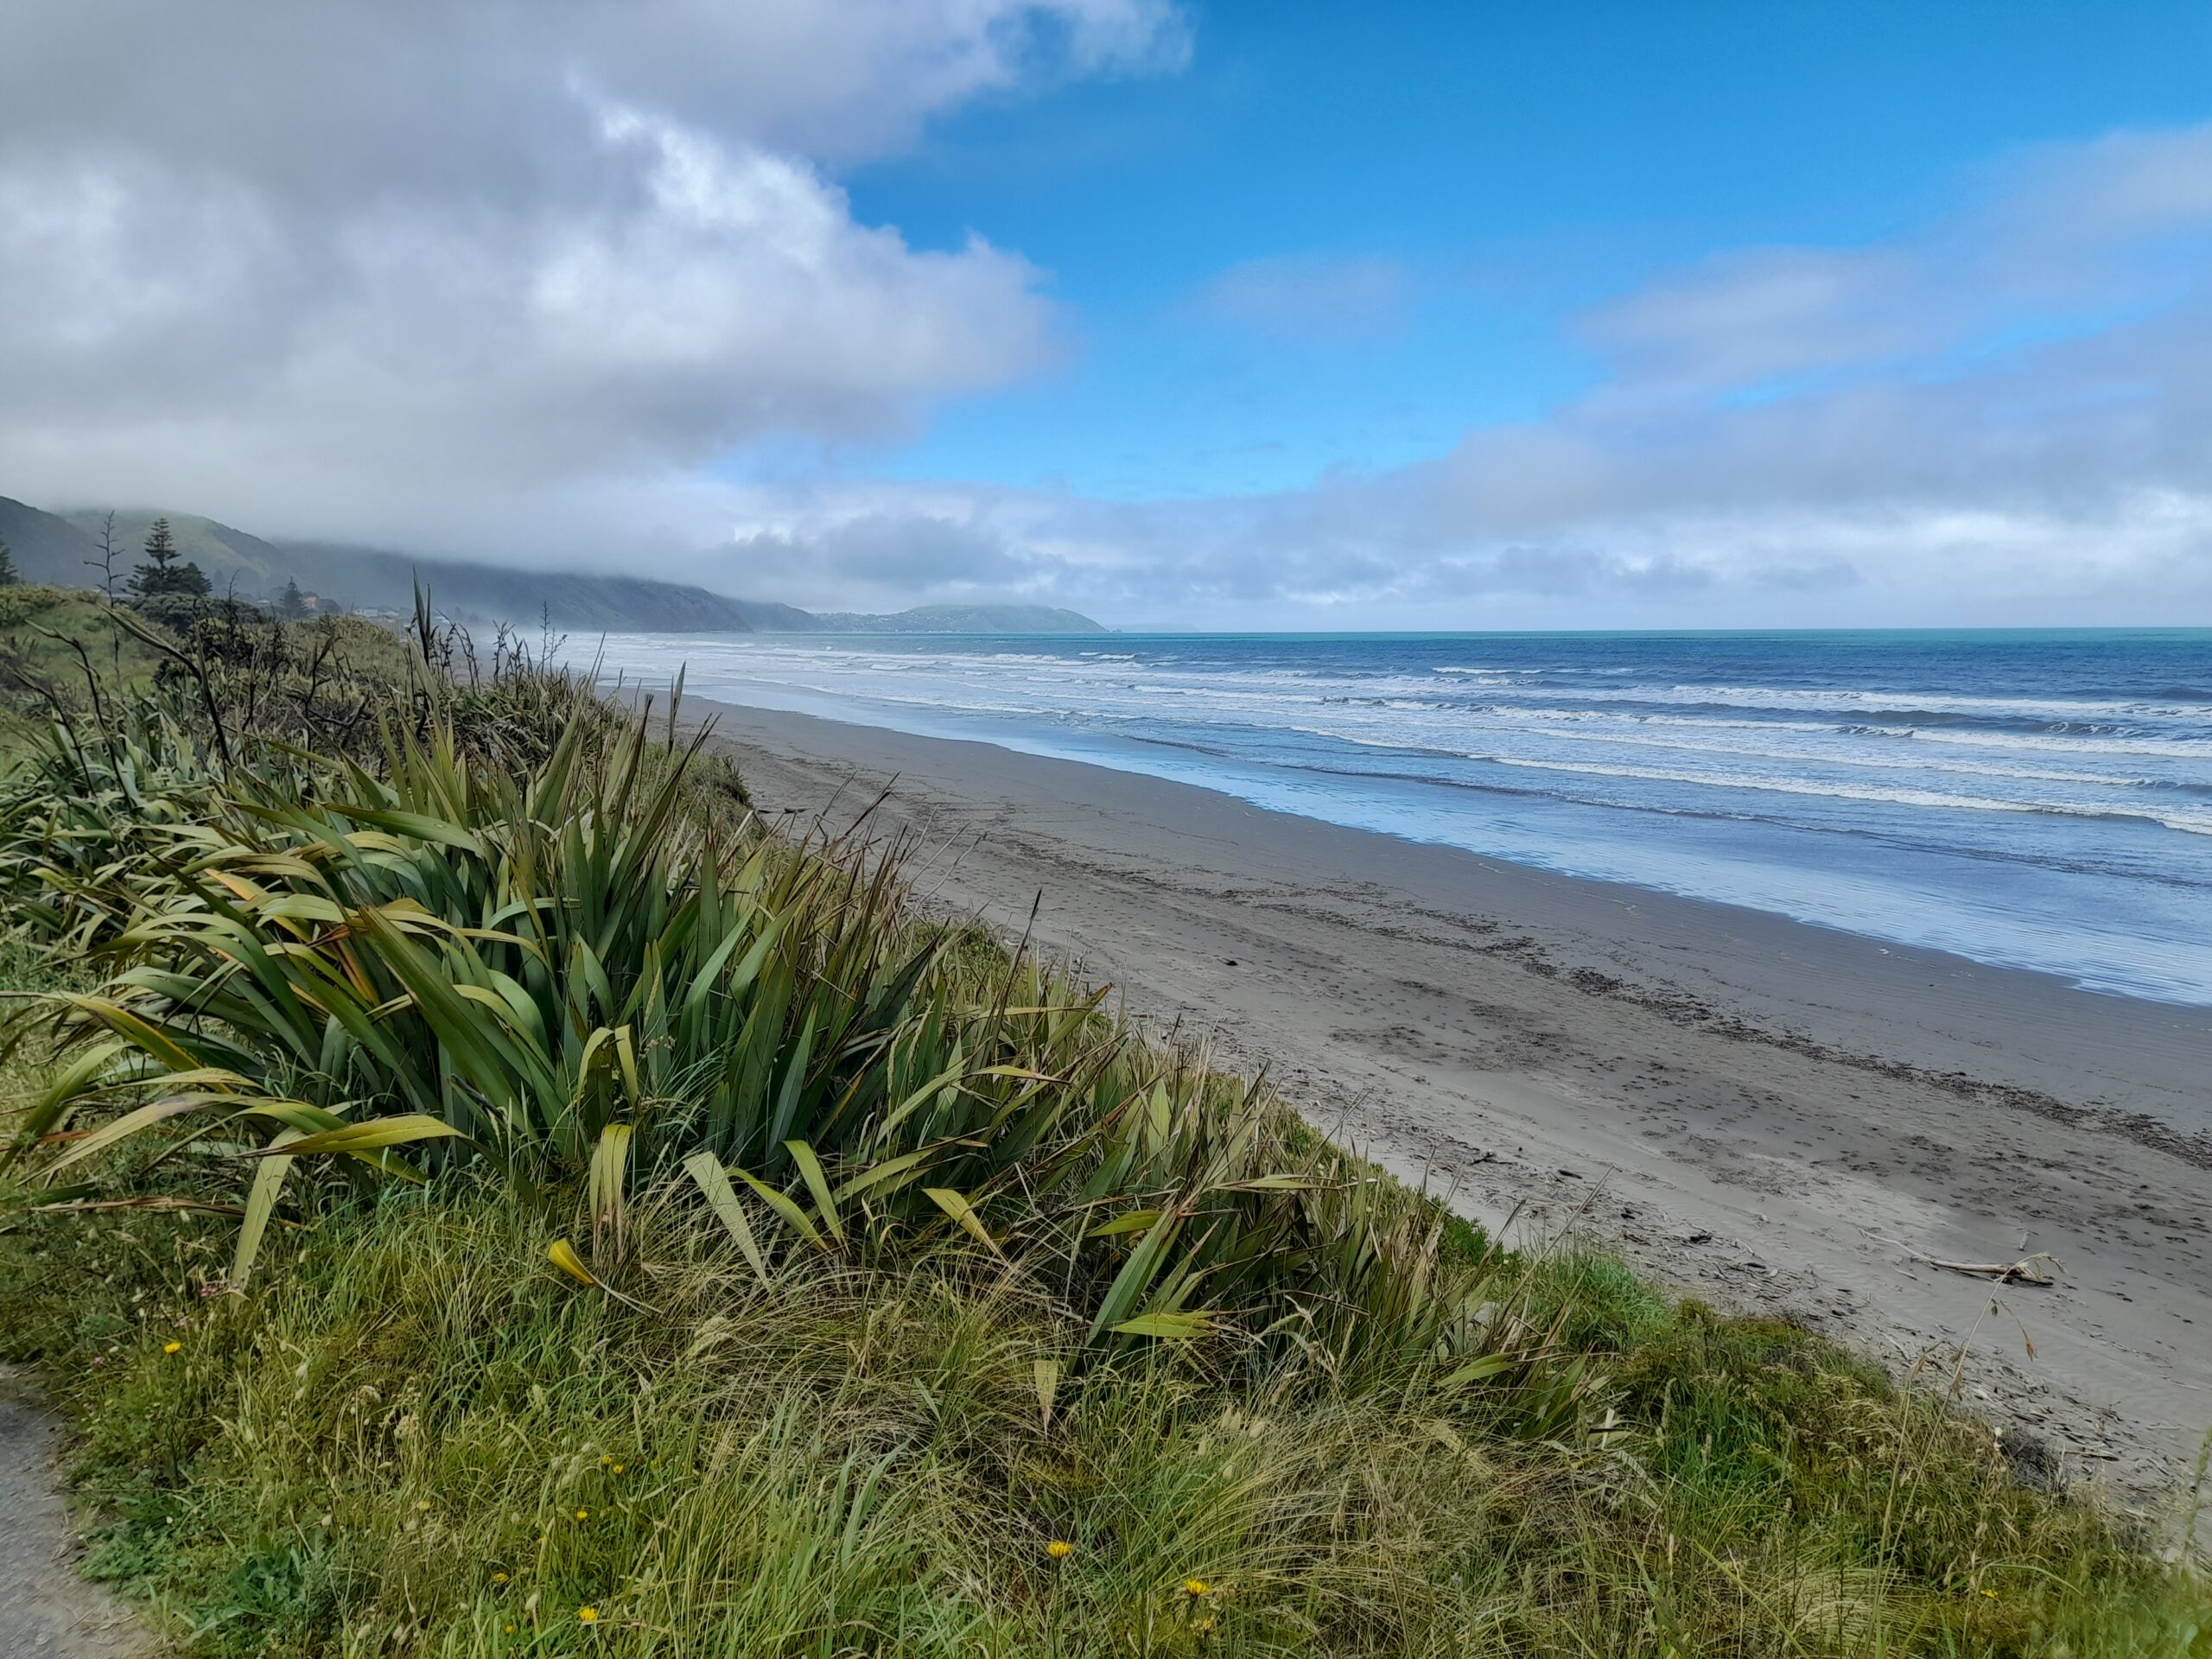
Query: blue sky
x=1506 y=166
x=1284 y=316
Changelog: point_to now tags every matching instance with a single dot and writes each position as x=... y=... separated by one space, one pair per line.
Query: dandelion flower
x=499 y=1578
x=607 y=1461
x=1202 y=1625
x=1194 y=1586
x=172 y=1347
x=1059 y=1549
x=1991 y=1594
x=615 y=1468
x=423 y=1504
x=583 y=1515
x=511 y=1630
x=587 y=1615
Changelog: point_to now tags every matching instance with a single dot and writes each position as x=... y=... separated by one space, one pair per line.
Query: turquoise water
x=2040 y=800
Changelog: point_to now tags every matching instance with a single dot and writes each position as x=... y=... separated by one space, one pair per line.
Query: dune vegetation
x=477 y=1192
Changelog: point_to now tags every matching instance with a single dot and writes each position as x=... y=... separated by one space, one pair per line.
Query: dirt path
x=47 y=1611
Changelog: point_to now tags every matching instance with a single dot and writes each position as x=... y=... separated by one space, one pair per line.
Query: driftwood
x=2041 y=1268
x=2024 y=1272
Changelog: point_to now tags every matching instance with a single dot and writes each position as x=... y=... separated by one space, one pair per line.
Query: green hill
x=50 y=549
x=233 y=559
x=372 y=578
x=63 y=548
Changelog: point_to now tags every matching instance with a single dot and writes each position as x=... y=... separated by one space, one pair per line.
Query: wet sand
x=1772 y=1115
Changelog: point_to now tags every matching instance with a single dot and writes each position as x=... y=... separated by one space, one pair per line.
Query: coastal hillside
x=233 y=560
x=63 y=548
x=48 y=548
x=377 y=579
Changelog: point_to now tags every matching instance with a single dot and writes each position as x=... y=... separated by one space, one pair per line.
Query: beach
x=1772 y=1115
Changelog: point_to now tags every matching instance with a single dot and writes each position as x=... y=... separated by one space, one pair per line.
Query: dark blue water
x=2042 y=799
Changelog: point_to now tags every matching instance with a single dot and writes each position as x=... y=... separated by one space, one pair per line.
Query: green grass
x=857 y=1457
x=30 y=616
x=889 y=1262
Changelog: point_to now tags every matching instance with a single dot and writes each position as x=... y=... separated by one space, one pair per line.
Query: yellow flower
x=423 y=1504
x=1202 y=1625
x=617 y=1468
x=1991 y=1594
x=587 y=1615
x=1059 y=1549
x=583 y=1515
x=1194 y=1586
x=499 y=1578
x=606 y=1462
x=172 y=1347
x=511 y=1630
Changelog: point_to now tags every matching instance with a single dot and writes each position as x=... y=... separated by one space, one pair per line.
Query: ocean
x=2037 y=800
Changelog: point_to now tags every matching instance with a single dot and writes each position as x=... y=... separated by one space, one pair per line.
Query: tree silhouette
x=166 y=570
x=8 y=575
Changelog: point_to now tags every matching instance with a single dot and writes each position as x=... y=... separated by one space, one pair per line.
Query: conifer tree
x=8 y=575
x=167 y=571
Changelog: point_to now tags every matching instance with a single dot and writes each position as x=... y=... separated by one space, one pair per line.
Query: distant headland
x=65 y=548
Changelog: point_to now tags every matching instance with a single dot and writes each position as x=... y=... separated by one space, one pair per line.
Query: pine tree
x=167 y=571
x=292 y=601
x=8 y=575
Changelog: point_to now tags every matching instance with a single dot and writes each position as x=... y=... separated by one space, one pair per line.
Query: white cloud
x=344 y=268
x=1310 y=296
x=1744 y=315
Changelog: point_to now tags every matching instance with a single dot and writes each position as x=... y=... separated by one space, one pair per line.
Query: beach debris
x=2026 y=1271
x=2042 y=1268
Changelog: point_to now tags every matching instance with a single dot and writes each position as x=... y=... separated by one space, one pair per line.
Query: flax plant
x=572 y=976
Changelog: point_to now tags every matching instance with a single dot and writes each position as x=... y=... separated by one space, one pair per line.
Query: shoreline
x=1838 y=795
x=1779 y=1116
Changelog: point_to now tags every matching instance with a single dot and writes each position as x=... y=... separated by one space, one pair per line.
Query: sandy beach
x=1771 y=1115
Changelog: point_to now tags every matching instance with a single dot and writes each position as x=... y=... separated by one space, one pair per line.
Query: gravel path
x=47 y=1612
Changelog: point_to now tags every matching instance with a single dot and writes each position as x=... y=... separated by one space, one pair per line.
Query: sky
x=1266 y=315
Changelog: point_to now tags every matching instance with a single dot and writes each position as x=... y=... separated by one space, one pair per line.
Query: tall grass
x=621 y=1210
